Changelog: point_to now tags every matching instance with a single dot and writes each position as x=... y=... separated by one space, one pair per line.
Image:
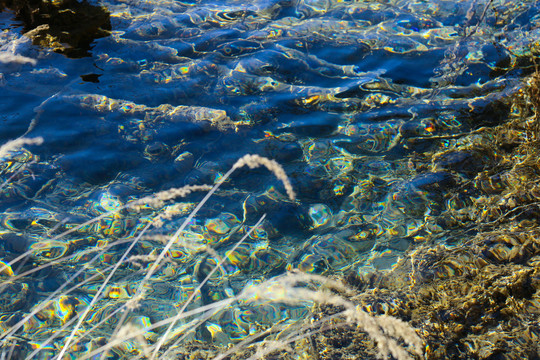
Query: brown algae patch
x=478 y=298
x=475 y=296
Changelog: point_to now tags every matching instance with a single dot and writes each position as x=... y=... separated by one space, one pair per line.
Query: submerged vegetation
x=391 y=209
x=475 y=296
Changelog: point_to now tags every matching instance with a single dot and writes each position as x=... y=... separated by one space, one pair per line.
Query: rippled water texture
x=351 y=98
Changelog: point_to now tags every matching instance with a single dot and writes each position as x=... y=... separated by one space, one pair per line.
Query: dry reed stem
x=252 y=161
x=129 y=328
x=17 y=144
x=283 y=289
x=114 y=342
x=205 y=280
x=163 y=196
x=158 y=199
x=98 y=293
x=267 y=347
x=44 y=303
x=383 y=329
x=276 y=328
x=255 y=161
x=56 y=261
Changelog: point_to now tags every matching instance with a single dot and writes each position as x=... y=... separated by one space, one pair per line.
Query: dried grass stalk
x=17 y=144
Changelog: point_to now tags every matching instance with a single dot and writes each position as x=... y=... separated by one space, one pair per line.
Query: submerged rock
x=68 y=26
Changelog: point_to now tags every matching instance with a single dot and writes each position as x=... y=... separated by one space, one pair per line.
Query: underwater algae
x=479 y=298
x=476 y=299
x=430 y=174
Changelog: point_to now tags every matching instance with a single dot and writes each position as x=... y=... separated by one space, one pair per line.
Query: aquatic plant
x=383 y=161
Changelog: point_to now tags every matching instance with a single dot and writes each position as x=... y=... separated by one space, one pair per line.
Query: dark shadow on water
x=69 y=27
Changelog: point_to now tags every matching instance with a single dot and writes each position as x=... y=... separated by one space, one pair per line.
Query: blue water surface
x=351 y=98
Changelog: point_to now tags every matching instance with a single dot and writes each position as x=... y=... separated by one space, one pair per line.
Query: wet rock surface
x=68 y=27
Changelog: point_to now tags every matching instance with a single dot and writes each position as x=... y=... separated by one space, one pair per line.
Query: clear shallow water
x=351 y=98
